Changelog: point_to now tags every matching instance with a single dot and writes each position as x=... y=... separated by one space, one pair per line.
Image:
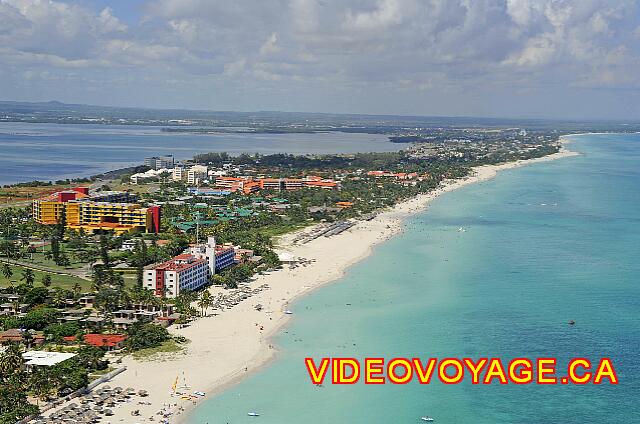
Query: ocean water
x=544 y=244
x=52 y=151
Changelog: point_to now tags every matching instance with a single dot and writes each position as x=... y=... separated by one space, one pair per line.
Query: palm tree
x=76 y=289
x=7 y=271
x=205 y=301
x=59 y=296
x=11 y=360
x=28 y=276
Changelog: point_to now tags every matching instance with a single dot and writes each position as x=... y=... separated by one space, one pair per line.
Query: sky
x=495 y=58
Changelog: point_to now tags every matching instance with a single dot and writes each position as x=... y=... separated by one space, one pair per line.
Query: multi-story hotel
x=106 y=211
x=249 y=185
x=218 y=256
x=183 y=272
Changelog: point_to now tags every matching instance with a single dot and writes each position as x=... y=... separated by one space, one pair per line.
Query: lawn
x=64 y=281
x=38 y=258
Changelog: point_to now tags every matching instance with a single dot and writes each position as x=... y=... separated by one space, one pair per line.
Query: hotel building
x=218 y=256
x=183 y=272
x=106 y=211
x=249 y=185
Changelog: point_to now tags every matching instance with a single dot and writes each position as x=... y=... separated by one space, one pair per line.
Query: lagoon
x=56 y=151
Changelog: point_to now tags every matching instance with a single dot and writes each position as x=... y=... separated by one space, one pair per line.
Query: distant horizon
x=509 y=59
x=181 y=109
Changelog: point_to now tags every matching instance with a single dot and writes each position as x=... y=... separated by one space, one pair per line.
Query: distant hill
x=58 y=112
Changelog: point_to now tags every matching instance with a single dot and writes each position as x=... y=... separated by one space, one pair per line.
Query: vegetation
x=142 y=336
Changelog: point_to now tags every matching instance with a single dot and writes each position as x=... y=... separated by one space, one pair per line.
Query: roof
x=183 y=257
x=104 y=340
x=173 y=266
x=45 y=359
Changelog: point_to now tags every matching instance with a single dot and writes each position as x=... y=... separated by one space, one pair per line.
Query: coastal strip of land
x=227 y=345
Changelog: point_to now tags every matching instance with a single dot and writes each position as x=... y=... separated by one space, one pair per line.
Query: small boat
x=288 y=312
x=462 y=230
x=253 y=414
x=427 y=418
x=572 y=322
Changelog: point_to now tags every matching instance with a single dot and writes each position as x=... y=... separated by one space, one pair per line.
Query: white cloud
x=454 y=45
x=270 y=46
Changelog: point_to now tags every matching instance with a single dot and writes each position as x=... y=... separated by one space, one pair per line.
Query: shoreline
x=227 y=347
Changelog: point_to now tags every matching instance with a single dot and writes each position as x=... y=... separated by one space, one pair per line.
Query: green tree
x=92 y=357
x=77 y=290
x=108 y=299
x=7 y=271
x=39 y=318
x=145 y=335
x=56 y=332
x=46 y=280
x=205 y=301
x=9 y=248
x=63 y=260
x=59 y=297
x=43 y=384
x=28 y=276
x=71 y=375
x=11 y=361
x=14 y=404
x=36 y=296
x=55 y=248
x=104 y=250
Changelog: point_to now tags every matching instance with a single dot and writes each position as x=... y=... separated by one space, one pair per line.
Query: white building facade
x=184 y=272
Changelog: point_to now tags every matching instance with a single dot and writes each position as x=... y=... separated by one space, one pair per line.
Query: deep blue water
x=51 y=151
x=544 y=244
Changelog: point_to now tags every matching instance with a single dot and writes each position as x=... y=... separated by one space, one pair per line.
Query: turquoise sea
x=543 y=245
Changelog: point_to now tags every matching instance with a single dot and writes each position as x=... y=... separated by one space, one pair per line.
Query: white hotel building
x=184 y=272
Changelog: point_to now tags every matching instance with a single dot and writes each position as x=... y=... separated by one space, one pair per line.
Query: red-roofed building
x=183 y=272
x=106 y=341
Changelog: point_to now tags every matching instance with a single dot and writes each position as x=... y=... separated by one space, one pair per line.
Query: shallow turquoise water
x=543 y=244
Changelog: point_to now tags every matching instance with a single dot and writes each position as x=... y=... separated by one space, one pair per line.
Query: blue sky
x=505 y=58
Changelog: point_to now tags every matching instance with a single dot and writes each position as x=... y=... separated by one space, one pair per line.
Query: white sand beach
x=228 y=346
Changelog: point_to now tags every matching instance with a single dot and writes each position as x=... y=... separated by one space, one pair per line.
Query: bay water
x=47 y=152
